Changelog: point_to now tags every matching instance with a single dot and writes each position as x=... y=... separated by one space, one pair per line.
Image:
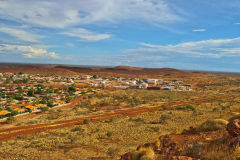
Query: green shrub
x=10 y=119
x=59 y=110
x=109 y=134
x=191 y=107
x=14 y=113
x=76 y=129
x=86 y=121
x=44 y=109
x=165 y=117
x=181 y=108
x=187 y=107
x=164 y=107
x=215 y=109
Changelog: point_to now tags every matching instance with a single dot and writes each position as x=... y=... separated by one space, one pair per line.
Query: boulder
x=233 y=128
x=127 y=156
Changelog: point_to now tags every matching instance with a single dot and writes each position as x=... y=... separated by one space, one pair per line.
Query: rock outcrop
x=233 y=128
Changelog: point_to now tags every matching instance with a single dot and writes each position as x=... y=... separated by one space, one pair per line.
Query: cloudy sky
x=183 y=34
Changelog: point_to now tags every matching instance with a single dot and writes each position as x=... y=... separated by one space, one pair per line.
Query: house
x=132 y=83
x=120 y=87
x=188 y=87
x=134 y=87
x=4 y=112
x=60 y=101
x=98 y=79
x=151 y=81
x=86 y=77
x=126 y=83
x=143 y=85
x=19 y=110
x=32 y=108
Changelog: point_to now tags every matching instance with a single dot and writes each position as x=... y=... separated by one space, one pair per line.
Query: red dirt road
x=8 y=133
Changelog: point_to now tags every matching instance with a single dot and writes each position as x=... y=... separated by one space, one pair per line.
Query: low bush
x=164 y=117
x=109 y=134
x=10 y=119
x=164 y=107
x=187 y=107
x=86 y=121
x=44 y=109
x=59 y=110
x=212 y=125
x=215 y=109
x=191 y=107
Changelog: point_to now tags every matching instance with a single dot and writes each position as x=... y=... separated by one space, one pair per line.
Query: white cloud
x=21 y=34
x=86 y=35
x=62 y=13
x=237 y=23
x=199 y=30
x=208 y=48
x=28 y=51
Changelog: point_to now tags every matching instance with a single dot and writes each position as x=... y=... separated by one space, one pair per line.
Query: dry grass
x=91 y=141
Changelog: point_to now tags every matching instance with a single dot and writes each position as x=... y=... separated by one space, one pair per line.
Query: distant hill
x=36 y=69
x=128 y=70
x=73 y=70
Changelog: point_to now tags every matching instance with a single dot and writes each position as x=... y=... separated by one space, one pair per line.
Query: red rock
x=181 y=158
x=233 y=128
x=191 y=130
x=127 y=156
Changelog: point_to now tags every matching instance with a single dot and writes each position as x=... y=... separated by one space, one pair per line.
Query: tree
x=25 y=80
x=72 y=88
x=14 y=113
x=109 y=134
x=50 y=103
x=39 y=91
x=40 y=86
x=30 y=93
x=10 y=119
x=8 y=80
x=68 y=99
x=86 y=121
x=16 y=81
x=44 y=109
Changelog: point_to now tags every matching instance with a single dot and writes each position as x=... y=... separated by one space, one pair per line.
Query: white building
x=86 y=77
x=143 y=85
x=151 y=81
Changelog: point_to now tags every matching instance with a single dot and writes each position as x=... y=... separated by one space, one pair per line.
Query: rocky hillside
x=213 y=140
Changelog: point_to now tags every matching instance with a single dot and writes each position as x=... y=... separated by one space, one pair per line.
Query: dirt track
x=8 y=133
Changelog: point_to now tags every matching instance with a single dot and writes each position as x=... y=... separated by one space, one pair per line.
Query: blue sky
x=183 y=34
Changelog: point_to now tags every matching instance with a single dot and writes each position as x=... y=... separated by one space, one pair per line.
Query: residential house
x=86 y=77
